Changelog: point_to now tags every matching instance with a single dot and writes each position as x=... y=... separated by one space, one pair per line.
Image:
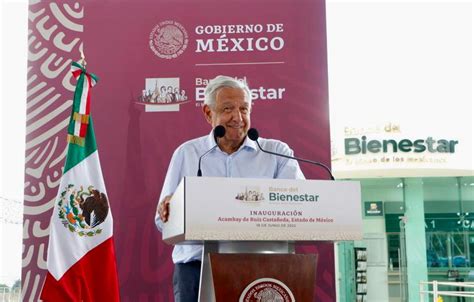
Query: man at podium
x=228 y=103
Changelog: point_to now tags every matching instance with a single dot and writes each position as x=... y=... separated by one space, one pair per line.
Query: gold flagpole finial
x=83 y=58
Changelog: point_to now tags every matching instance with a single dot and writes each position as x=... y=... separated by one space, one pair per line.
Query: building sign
x=373 y=208
x=364 y=145
x=394 y=149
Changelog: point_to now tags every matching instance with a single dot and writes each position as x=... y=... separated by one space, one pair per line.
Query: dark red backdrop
x=135 y=146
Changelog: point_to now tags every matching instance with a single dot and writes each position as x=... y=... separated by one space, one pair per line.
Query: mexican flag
x=81 y=255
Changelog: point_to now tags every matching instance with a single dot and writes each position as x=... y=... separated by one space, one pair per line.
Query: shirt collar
x=248 y=143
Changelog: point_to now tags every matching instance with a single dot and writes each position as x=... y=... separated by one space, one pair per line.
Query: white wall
x=407 y=63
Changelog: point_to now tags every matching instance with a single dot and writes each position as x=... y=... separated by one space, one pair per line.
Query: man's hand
x=164 y=208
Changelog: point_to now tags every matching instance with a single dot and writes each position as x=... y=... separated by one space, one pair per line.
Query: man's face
x=232 y=110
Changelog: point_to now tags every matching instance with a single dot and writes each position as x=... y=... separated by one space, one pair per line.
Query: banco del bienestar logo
x=267 y=290
x=168 y=39
x=250 y=195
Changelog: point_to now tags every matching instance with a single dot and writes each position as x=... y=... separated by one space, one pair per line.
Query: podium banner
x=267 y=209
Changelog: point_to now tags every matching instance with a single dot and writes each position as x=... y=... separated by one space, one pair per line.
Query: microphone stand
x=219 y=131
x=298 y=159
x=199 y=173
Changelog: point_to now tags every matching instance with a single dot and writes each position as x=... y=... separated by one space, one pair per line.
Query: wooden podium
x=248 y=228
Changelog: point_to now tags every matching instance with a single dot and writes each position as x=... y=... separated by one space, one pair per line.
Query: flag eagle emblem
x=82 y=211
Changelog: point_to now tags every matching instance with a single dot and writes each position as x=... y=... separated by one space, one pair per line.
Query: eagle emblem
x=82 y=211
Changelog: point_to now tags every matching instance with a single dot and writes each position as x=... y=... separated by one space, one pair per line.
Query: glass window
x=449 y=223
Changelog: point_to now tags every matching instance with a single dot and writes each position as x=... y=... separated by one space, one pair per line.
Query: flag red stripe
x=76 y=73
x=92 y=278
x=83 y=130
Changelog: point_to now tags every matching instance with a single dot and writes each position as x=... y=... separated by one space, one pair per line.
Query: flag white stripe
x=66 y=247
x=77 y=128
x=85 y=90
x=73 y=70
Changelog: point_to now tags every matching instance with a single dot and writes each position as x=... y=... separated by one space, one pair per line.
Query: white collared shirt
x=247 y=161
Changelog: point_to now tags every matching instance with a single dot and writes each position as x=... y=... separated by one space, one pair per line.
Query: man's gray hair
x=224 y=81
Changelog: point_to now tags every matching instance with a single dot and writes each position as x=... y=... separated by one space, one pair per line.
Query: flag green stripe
x=76 y=65
x=78 y=92
x=94 y=77
x=77 y=102
x=76 y=153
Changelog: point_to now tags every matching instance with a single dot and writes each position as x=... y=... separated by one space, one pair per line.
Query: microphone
x=252 y=133
x=219 y=132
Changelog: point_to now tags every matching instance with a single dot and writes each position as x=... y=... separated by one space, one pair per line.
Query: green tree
x=17 y=284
